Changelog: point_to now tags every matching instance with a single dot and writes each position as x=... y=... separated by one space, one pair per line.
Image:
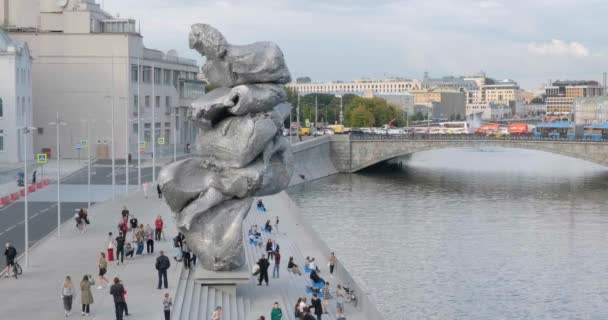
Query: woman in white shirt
x=67 y=294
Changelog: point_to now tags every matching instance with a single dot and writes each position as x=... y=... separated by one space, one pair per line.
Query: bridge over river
x=351 y=153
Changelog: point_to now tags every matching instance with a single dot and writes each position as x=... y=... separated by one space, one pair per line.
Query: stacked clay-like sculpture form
x=240 y=152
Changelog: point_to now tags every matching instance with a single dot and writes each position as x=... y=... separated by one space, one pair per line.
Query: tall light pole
x=126 y=103
x=58 y=123
x=175 y=135
x=154 y=126
x=341 y=117
x=26 y=213
x=138 y=125
x=298 y=117
x=111 y=99
x=316 y=114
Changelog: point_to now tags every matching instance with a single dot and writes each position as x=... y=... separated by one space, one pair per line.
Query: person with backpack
x=276 y=313
x=264 y=264
x=118 y=293
x=10 y=253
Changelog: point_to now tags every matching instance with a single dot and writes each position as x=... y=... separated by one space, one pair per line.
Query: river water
x=471 y=234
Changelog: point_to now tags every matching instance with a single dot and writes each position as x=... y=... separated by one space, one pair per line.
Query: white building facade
x=15 y=100
x=384 y=86
x=94 y=70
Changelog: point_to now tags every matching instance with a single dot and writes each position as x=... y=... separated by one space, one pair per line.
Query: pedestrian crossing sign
x=41 y=158
x=142 y=144
x=161 y=140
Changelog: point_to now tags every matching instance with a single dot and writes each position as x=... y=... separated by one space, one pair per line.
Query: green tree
x=382 y=112
x=360 y=117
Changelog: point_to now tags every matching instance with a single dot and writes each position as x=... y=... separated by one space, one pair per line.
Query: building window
x=135 y=103
x=134 y=73
x=167 y=124
x=157 y=75
x=146 y=76
x=147 y=101
x=135 y=127
x=157 y=101
x=167 y=135
x=1 y=109
x=167 y=101
x=167 y=77
x=1 y=140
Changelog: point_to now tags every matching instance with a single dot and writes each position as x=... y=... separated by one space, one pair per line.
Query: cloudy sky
x=530 y=41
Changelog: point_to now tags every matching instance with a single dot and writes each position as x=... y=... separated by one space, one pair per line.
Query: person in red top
x=158 y=224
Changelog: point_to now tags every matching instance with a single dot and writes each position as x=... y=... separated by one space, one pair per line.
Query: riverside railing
x=470 y=137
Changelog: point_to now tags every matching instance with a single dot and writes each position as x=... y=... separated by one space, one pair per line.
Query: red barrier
x=45 y=182
x=14 y=196
x=39 y=185
x=31 y=188
x=21 y=193
x=4 y=201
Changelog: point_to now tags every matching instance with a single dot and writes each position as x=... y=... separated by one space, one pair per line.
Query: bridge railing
x=476 y=137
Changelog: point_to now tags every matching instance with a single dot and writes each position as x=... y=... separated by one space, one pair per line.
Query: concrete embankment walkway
x=36 y=294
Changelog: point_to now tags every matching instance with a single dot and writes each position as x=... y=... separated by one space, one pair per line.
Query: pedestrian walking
x=264 y=264
x=158 y=227
x=125 y=212
x=67 y=293
x=296 y=309
x=86 y=296
x=340 y=295
x=125 y=306
x=217 y=314
x=149 y=236
x=276 y=313
x=177 y=244
x=145 y=186
x=120 y=248
x=110 y=247
x=277 y=262
x=117 y=291
x=307 y=315
x=325 y=301
x=315 y=303
x=159 y=191
x=332 y=264
x=167 y=304
x=129 y=158
x=103 y=269
x=162 y=264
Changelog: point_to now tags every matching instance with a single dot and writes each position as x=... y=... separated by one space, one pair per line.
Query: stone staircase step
x=204 y=307
x=211 y=304
x=187 y=305
x=180 y=294
x=196 y=296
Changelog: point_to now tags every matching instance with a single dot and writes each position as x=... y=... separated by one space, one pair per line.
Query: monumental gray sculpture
x=240 y=152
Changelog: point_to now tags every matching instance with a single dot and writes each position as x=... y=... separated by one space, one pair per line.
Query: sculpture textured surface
x=240 y=152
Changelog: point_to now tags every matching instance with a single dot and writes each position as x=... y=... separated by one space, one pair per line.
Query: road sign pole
x=27 y=218
x=58 y=124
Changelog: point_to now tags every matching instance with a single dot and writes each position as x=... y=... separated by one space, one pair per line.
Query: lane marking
x=45 y=210
x=9 y=229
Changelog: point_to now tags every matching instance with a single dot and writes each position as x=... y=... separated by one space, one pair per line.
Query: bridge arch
x=362 y=153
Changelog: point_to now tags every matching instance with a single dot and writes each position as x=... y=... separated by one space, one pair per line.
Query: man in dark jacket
x=118 y=291
x=120 y=248
x=264 y=264
x=162 y=264
x=315 y=303
x=10 y=253
x=307 y=315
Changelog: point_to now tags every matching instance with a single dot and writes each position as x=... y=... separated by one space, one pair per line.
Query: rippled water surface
x=471 y=234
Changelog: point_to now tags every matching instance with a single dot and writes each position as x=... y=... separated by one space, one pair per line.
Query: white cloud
x=559 y=48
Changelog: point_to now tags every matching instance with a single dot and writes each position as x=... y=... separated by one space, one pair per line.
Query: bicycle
x=17 y=271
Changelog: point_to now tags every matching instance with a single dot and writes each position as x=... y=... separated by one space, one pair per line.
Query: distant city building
x=303 y=80
x=86 y=63
x=15 y=99
x=404 y=101
x=588 y=110
x=497 y=111
x=530 y=109
x=449 y=83
x=561 y=94
x=391 y=85
x=504 y=92
x=444 y=104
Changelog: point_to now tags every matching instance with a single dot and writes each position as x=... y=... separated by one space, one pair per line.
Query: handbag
x=256 y=270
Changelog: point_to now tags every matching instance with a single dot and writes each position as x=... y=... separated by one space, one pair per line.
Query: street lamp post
x=126 y=144
x=58 y=123
x=316 y=114
x=298 y=117
x=341 y=118
x=175 y=115
x=26 y=213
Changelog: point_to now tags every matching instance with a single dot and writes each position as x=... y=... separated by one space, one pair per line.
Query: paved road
x=102 y=175
x=42 y=220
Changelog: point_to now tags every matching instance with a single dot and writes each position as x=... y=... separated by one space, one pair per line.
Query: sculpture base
x=224 y=280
